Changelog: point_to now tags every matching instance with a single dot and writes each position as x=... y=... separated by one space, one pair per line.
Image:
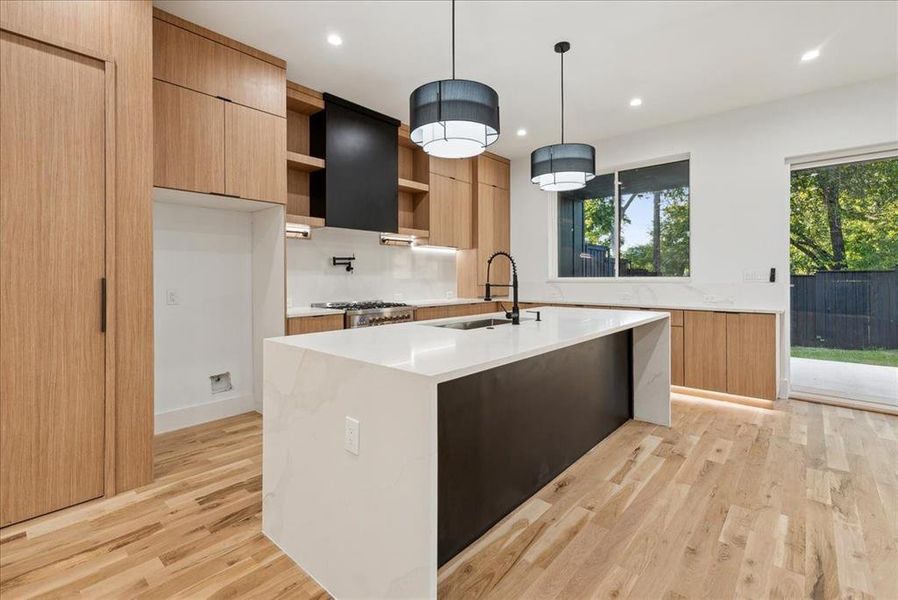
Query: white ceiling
x=684 y=59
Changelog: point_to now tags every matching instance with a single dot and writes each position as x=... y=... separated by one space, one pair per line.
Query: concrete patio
x=853 y=381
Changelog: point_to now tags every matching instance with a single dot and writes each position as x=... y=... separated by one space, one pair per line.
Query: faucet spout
x=515 y=314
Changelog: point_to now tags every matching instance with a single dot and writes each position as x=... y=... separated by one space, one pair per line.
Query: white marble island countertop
x=443 y=353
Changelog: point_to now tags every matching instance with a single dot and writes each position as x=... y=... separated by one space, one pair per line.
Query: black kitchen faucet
x=515 y=314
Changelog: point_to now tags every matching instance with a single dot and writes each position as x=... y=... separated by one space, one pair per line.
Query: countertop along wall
x=391 y=273
x=739 y=197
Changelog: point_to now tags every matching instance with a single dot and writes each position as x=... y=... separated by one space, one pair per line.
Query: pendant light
x=454 y=118
x=562 y=167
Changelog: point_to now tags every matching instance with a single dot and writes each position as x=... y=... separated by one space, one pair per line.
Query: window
x=632 y=223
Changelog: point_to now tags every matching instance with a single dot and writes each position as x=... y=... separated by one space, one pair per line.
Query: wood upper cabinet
x=493 y=171
x=189 y=147
x=492 y=224
x=255 y=148
x=193 y=61
x=751 y=355
x=461 y=169
x=450 y=212
x=705 y=350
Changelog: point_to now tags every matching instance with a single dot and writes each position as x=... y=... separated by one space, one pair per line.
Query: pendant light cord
x=453 y=39
x=562 y=96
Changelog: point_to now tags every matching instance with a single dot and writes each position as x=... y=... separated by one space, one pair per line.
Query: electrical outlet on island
x=351 y=436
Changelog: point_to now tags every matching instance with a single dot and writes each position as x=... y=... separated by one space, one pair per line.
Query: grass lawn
x=875 y=356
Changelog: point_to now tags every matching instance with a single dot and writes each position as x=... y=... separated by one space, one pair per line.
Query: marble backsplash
x=388 y=273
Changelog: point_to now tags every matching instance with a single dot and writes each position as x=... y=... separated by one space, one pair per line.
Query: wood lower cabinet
x=705 y=350
x=255 y=147
x=426 y=313
x=55 y=152
x=677 y=364
x=314 y=324
x=450 y=212
x=751 y=355
x=189 y=146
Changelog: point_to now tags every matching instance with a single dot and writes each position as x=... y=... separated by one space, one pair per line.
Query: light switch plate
x=171 y=297
x=351 y=436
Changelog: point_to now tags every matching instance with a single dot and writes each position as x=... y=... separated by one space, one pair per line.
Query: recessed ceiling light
x=522 y=132
x=636 y=102
x=334 y=40
x=810 y=55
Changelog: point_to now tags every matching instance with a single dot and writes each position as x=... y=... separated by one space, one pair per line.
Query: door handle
x=103 y=304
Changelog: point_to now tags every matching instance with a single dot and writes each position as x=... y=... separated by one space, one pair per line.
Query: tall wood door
x=255 y=154
x=52 y=264
x=705 y=350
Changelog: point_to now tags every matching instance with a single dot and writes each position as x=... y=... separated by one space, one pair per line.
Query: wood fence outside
x=845 y=309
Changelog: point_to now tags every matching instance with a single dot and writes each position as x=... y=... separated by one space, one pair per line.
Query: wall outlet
x=755 y=276
x=351 y=436
x=397 y=297
x=171 y=297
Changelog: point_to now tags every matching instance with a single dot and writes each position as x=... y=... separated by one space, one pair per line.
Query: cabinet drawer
x=188 y=142
x=299 y=325
x=189 y=60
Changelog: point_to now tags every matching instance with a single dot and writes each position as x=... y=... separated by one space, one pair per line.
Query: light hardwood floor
x=732 y=501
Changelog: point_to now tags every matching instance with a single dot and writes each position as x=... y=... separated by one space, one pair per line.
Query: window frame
x=552 y=220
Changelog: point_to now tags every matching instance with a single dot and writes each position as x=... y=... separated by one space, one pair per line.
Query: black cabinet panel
x=506 y=432
x=358 y=189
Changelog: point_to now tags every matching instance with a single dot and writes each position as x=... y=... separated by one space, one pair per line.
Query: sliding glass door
x=844 y=276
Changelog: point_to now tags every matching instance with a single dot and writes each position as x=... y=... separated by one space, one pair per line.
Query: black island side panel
x=506 y=432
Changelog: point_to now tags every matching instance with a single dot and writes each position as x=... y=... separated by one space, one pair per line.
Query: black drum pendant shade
x=454 y=118
x=562 y=167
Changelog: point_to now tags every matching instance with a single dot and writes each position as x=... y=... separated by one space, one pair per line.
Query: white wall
x=381 y=272
x=739 y=196
x=205 y=255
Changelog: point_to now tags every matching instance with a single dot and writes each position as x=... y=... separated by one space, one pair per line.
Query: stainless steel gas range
x=371 y=313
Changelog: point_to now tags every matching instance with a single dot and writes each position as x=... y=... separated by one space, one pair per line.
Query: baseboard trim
x=723 y=397
x=844 y=403
x=198 y=414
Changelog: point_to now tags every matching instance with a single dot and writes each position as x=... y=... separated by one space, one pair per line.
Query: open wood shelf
x=304 y=162
x=418 y=233
x=303 y=100
x=413 y=187
x=305 y=220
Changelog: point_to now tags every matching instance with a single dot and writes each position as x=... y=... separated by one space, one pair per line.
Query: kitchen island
x=387 y=450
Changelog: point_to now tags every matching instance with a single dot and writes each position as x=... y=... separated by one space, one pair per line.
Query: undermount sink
x=478 y=324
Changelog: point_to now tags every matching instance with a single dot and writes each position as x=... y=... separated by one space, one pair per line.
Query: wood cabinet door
x=751 y=355
x=676 y=356
x=705 y=350
x=198 y=63
x=255 y=154
x=493 y=233
x=454 y=168
x=188 y=143
x=492 y=171
x=53 y=203
x=451 y=207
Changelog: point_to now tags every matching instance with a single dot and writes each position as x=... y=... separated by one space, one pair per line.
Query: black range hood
x=359 y=188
